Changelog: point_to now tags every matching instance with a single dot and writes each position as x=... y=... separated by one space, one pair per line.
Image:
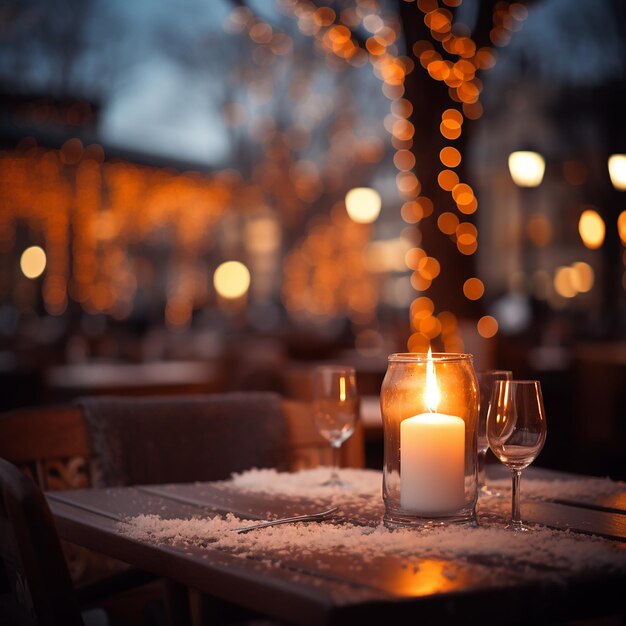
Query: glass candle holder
x=429 y=404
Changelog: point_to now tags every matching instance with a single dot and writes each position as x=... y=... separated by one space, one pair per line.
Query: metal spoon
x=313 y=517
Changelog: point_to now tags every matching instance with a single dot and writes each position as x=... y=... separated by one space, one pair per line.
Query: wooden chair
x=53 y=445
x=35 y=585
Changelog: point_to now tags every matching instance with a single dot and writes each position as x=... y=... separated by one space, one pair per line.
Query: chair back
x=185 y=438
x=35 y=586
x=50 y=444
x=55 y=447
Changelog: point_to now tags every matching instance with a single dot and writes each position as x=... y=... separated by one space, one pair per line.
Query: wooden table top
x=337 y=586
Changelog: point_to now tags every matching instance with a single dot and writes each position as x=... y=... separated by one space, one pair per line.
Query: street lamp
x=526 y=168
x=363 y=205
x=617 y=171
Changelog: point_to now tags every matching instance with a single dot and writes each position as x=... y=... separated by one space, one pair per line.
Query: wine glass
x=335 y=403
x=516 y=430
x=486 y=381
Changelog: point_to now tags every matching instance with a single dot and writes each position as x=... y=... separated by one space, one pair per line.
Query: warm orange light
x=231 y=279
x=430 y=326
x=591 y=229
x=447 y=223
x=468 y=92
x=33 y=262
x=450 y=156
x=448 y=179
x=408 y=184
x=473 y=288
x=426 y=205
x=463 y=194
x=464 y=70
x=419 y=283
x=324 y=16
x=621 y=226
x=564 y=282
x=450 y=130
x=404 y=160
x=426 y=6
x=411 y=212
x=583 y=276
x=453 y=115
x=429 y=268
x=472 y=110
x=466 y=233
x=469 y=207
x=403 y=129
x=439 y=70
x=421 y=308
x=438 y=20
x=418 y=342
x=487 y=326
x=467 y=248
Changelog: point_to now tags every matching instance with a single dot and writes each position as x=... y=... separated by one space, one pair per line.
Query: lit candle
x=432 y=457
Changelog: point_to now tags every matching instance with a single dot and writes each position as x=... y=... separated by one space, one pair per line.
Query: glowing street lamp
x=526 y=168
x=617 y=171
x=33 y=262
x=363 y=205
x=231 y=280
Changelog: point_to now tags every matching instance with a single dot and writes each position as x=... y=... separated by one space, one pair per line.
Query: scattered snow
x=540 y=553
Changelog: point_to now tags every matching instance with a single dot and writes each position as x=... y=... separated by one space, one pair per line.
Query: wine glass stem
x=336 y=451
x=516 y=518
x=481 y=468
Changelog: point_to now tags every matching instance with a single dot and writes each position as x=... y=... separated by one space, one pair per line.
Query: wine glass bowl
x=335 y=405
x=516 y=431
x=486 y=380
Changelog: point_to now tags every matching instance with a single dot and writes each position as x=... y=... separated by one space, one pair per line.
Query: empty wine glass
x=335 y=403
x=486 y=380
x=516 y=430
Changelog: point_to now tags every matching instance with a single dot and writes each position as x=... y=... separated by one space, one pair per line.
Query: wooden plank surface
x=331 y=587
x=579 y=519
x=610 y=503
x=289 y=592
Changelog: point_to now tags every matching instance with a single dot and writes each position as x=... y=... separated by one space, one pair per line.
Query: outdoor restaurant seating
x=63 y=454
x=114 y=441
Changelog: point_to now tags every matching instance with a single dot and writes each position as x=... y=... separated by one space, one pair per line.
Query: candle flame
x=342 y=389
x=432 y=395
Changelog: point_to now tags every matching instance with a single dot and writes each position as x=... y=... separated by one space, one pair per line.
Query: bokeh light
x=473 y=288
x=583 y=276
x=363 y=205
x=617 y=171
x=539 y=230
x=33 y=262
x=231 y=279
x=591 y=229
x=527 y=168
x=621 y=226
x=487 y=326
x=564 y=282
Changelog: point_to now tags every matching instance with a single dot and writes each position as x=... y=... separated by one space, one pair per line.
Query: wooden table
x=338 y=588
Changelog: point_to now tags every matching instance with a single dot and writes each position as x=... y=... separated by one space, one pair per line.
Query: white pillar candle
x=432 y=463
